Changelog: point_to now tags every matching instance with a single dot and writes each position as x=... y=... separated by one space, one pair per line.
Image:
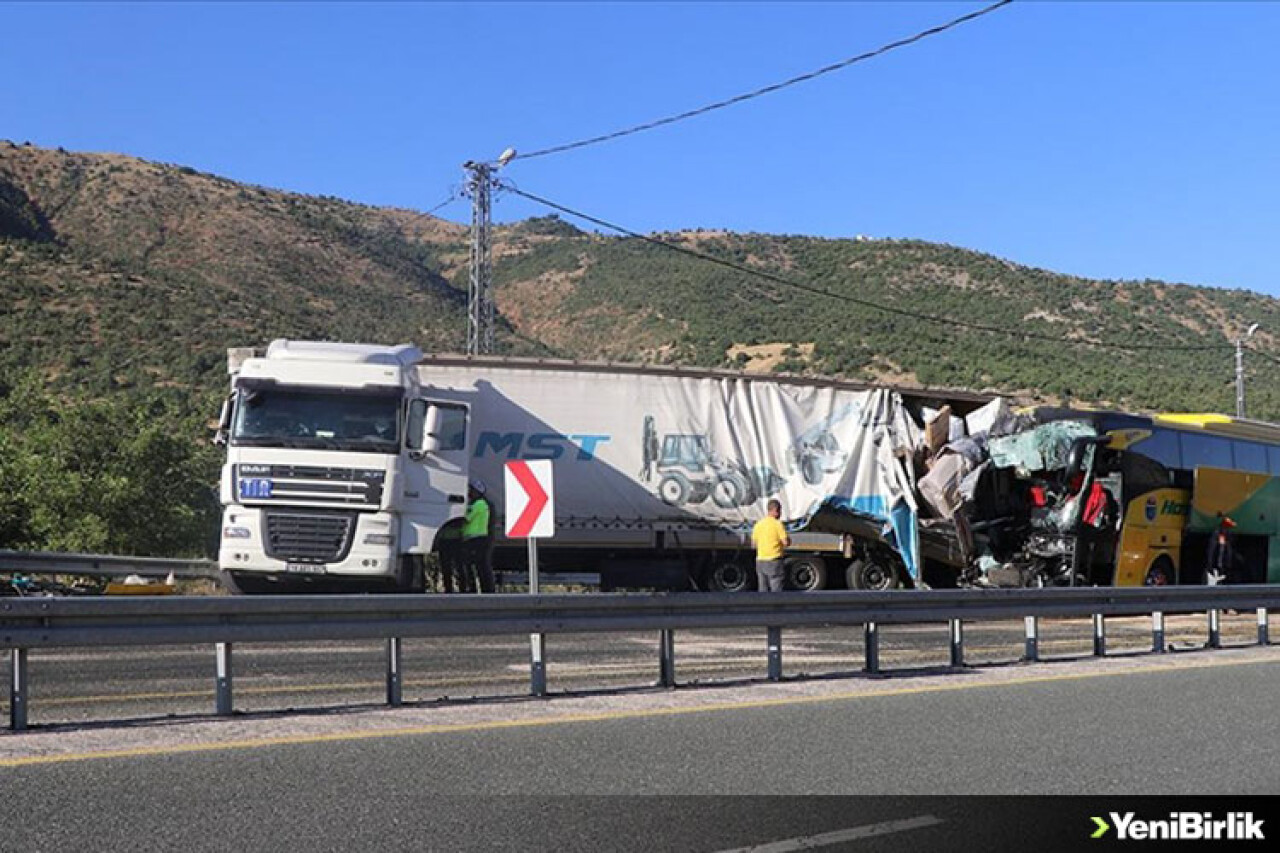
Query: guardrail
x=110 y=566
x=27 y=624
x=102 y=565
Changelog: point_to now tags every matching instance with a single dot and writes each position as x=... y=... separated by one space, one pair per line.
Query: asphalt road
x=1191 y=724
x=78 y=686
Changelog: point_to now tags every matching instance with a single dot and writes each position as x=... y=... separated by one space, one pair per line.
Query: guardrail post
x=957 y=643
x=775 y=654
x=1157 y=632
x=538 y=664
x=222 y=686
x=871 y=646
x=667 y=657
x=1215 y=628
x=1099 y=635
x=1032 y=652
x=394 y=659
x=18 y=690
x=1263 y=639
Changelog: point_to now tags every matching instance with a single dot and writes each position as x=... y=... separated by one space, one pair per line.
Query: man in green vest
x=477 y=543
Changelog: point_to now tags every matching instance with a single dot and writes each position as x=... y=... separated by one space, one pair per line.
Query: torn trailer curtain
x=694 y=451
x=877 y=482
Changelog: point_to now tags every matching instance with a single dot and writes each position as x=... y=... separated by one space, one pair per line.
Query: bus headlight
x=237 y=533
x=379 y=539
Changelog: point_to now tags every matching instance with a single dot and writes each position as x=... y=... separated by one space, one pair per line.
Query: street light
x=1240 y=369
x=480 y=323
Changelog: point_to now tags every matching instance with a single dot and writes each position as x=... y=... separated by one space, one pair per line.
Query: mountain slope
x=118 y=273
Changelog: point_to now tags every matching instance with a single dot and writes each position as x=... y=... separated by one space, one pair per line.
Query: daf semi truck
x=347 y=466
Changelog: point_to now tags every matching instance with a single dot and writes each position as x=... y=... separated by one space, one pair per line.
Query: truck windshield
x=275 y=417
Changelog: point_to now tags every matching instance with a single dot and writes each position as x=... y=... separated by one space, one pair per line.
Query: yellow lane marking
x=605 y=716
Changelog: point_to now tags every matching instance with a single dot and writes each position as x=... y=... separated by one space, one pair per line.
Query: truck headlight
x=237 y=533
x=379 y=539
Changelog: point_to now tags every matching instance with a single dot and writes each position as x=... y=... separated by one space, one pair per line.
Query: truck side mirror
x=424 y=429
x=431 y=430
x=224 y=423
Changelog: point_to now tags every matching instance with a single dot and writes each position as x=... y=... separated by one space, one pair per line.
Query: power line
x=866 y=303
x=737 y=99
x=453 y=196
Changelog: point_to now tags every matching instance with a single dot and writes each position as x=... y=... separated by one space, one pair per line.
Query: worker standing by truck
x=770 y=537
x=477 y=539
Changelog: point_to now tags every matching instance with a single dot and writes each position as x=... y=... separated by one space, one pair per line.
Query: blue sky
x=1108 y=140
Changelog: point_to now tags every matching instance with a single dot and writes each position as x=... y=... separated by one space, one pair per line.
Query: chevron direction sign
x=531 y=507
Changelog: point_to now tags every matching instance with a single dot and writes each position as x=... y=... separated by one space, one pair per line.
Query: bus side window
x=1142 y=475
x=1199 y=451
x=1162 y=446
x=1249 y=457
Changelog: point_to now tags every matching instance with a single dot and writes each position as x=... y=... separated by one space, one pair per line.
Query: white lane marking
x=826 y=839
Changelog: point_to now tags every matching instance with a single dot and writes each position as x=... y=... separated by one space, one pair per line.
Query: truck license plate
x=304 y=568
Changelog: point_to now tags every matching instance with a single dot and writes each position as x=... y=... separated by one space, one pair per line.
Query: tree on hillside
x=102 y=476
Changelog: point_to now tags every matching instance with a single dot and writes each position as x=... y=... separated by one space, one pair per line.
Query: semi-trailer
x=347 y=466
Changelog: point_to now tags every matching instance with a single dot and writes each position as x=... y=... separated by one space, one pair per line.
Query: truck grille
x=309 y=484
x=310 y=537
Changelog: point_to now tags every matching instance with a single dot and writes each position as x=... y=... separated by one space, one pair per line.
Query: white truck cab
x=339 y=472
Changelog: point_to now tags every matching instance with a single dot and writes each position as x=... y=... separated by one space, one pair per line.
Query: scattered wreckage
x=1061 y=497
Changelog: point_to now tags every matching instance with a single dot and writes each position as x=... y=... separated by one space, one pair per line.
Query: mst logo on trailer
x=538 y=445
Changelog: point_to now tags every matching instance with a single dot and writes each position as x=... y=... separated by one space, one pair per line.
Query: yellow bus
x=1105 y=498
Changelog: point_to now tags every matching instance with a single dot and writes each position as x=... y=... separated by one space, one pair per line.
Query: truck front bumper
x=307 y=544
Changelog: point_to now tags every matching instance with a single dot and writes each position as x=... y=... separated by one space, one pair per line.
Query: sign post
x=531 y=515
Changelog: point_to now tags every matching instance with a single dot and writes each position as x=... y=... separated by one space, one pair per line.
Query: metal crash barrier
x=40 y=623
x=103 y=565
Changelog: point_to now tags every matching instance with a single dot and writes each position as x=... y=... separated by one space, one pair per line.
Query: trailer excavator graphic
x=816 y=453
x=689 y=472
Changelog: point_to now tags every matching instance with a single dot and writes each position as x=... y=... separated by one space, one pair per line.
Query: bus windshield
x=317 y=419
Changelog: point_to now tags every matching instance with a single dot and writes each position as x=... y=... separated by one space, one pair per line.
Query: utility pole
x=1240 y=369
x=480 y=321
x=479 y=289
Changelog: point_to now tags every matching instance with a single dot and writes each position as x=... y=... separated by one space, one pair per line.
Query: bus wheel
x=872 y=572
x=1160 y=573
x=806 y=573
x=729 y=576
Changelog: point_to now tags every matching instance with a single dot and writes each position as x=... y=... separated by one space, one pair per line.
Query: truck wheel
x=806 y=573
x=730 y=491
x=234 y=584
x=873 y=573
x=411 y=576
x=673 y=489
x=729 y=577
x=1161 y=573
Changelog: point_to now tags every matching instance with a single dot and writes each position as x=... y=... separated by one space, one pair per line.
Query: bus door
x=1252 y=503
x=1153 y=514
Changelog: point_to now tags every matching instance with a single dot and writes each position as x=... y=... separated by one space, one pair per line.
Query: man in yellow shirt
x=770 y=537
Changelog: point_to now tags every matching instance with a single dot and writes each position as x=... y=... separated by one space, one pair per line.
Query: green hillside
x=123 y=282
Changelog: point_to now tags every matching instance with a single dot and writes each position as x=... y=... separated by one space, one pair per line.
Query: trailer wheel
x=873 y=573
x=1161 y=573
x=806 y=574
x=729 y=576
x=673 y=489
x=730 y=491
